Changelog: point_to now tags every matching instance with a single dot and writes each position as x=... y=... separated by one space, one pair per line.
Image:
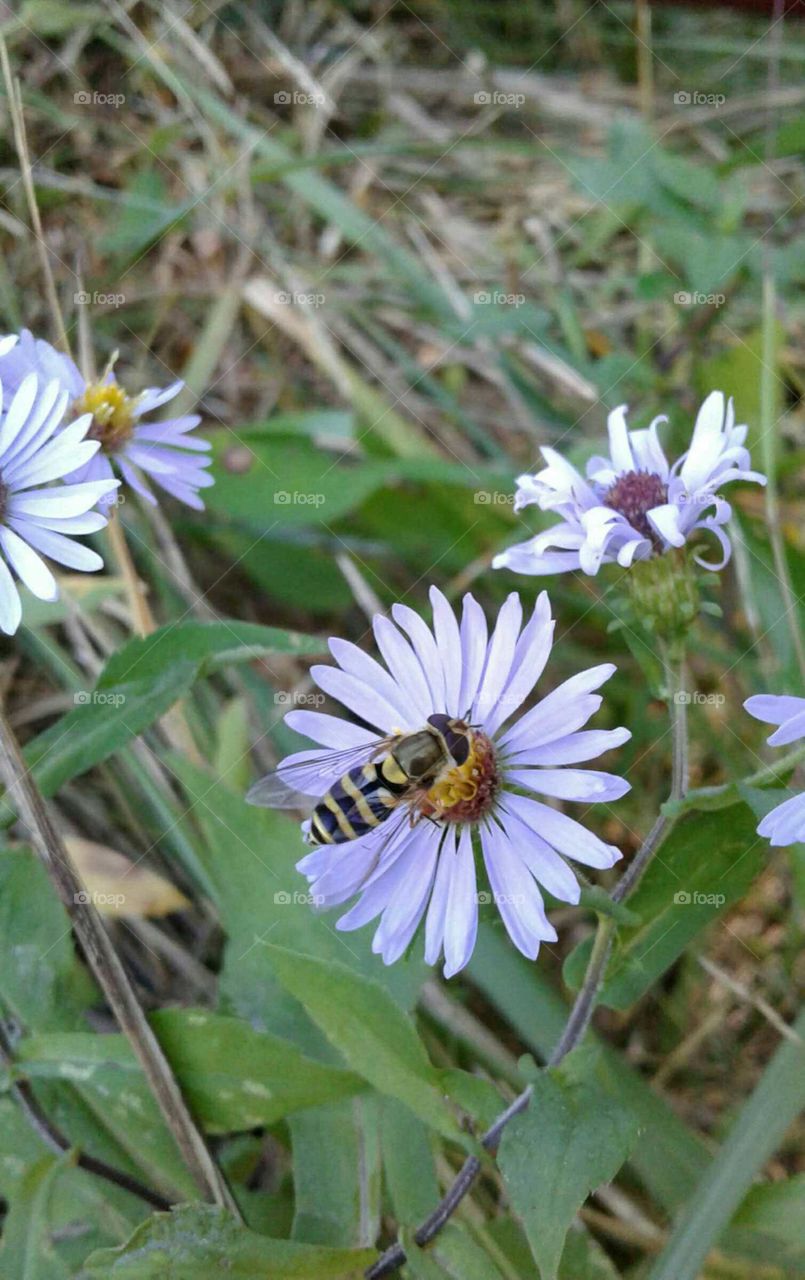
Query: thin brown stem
x=109 y=972
x=14 y=98
x=141 y=616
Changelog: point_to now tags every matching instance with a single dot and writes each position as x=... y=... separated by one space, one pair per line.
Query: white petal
x=448 y=642
x=361 y=699
x=424 y=646
x=620 y=448
x=28 y=566
x=18 y=411
x=665 y=519
x=401 y=917
x=551 y=718
x=59 y=548
x=10 y=606
x=586 y=785
x=543 y=862
x=474 y=635
x=64 y=501
x=461 y=923
x=790 y=731
x=528 y=664
x=437 y=910
x=575 y=747
x=404 y=667
x=499 y=656
x=516 y=895
x=786 y=824
x=329 y=731
x=369 y=671
x=571 y=838
x=774 y=708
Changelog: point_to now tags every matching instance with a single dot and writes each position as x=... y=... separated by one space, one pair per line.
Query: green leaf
x=233 y=1076
x=408 y=1166
x=776 y=1211
x=584 y=1259
x=211 y=645
x=336 y=1173
x=703 y=867
x=100 y=724
x=198 y=1242
x=37 y=959
x=573 y=1137
x=27 y=1251
x=375 y=1037
x=668 y=1157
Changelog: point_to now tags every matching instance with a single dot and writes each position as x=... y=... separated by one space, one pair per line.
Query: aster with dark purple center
x=633 y=505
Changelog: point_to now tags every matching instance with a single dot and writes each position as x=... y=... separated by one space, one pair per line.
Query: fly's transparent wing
x=298 y=783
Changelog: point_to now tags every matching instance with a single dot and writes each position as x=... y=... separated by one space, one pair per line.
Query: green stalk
x=757 y=1133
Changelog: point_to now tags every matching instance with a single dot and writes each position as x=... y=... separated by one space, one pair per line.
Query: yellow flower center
x=112 y=412
x=464 y=793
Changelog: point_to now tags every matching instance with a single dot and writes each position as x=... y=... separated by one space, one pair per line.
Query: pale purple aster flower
x=420 y=862
x=163 y=451
x=633 y=504
x=785 y=824
x=34 y=450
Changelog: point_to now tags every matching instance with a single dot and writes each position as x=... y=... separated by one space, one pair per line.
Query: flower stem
x=141 y=615
x=585 y=1002
x=109 y=972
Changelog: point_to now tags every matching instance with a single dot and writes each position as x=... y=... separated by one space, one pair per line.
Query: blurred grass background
x=393 y=249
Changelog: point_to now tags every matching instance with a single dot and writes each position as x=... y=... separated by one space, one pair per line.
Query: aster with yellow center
x=133 y=447
x=112 y=411
x=481 y=814
x=39 y=519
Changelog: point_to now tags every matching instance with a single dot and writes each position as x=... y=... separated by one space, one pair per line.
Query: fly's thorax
x=420 y=755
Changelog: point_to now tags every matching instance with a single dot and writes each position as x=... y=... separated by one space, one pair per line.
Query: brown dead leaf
x=118 y=887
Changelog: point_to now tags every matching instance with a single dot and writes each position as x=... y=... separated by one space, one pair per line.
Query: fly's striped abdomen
x=360 y=800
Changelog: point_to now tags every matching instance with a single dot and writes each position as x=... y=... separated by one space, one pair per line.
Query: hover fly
x=368 y=782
